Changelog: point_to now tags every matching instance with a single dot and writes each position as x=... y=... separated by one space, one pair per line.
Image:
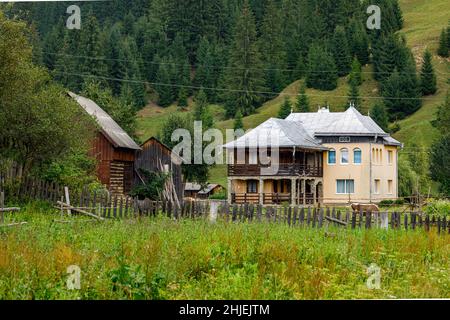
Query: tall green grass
x=192 y=259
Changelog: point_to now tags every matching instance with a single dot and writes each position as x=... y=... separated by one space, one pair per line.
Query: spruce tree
x=302 y=104
x=163 y=86
x=427 y=75
x=272 y=48
x=285 y=108
x=183 y=98
x=91 y=47
x=238 y=122
x=321 y=70
x=201 y=110
x=358 y=41
x=341 y=52
x=379 y=115
x=356 y=73
x=244 y=78
x=354 y=96
x=443 y=49
x=300 y=68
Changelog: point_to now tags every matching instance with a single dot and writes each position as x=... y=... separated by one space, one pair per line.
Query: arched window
x=331 y=156
x=344 y=156
x=357 y=155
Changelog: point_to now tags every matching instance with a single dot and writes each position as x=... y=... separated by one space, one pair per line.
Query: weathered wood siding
x=153 y=152
x=115 y=166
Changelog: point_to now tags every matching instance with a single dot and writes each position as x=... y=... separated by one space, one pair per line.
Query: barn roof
x=175 y=157
x=112 y=131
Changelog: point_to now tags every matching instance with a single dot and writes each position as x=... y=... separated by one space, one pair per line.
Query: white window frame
x=345 y=186
x=348 y=157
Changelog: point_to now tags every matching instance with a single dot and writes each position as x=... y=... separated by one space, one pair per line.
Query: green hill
x=423 y=23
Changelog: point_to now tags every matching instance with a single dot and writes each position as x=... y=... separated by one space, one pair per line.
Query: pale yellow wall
x=360 y=173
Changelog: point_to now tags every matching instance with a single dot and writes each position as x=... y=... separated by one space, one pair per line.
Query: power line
x=228 y=90
x=213 y=66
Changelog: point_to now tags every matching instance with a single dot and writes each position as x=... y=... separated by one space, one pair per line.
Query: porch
x=275 y=190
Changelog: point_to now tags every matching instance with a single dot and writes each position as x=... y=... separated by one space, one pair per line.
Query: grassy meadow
x=159 y=258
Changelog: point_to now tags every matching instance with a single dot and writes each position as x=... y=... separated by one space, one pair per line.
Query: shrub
x=385 y=203
x=222 y=195
x=440 y=208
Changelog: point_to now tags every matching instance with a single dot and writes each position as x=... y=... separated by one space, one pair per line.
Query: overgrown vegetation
x=192 y=259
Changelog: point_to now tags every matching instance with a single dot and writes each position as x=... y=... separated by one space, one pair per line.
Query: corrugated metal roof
x=112 y=131
x=277 y=133
x=190 y=186
x=392 y=142
x=350 y=122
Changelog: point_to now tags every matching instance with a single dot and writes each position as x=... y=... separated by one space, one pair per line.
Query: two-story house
x=322 y=157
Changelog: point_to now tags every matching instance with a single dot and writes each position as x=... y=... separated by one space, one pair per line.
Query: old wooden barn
x=155 y=156
x=113 y=148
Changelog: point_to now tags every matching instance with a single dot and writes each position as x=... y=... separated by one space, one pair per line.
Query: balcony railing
x=273 y=198
x=284 y=169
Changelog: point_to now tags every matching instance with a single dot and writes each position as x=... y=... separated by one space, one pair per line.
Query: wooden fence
x=103 y=205
x=318 y=218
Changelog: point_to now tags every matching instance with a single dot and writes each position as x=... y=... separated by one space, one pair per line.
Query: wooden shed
x=113 y=148
x=156 y=156
x=195 y=190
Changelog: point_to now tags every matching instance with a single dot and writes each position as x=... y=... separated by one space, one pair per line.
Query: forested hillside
x=251 y=59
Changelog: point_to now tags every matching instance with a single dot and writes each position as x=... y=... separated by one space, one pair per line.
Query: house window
x=377 y=186
x=390 y=184
x=390 y=156
x=345 y=186
x=357 y=156
x=252 y=186
x=332 y=156
x=344 y=156
x=381 y=156
x=253 y=157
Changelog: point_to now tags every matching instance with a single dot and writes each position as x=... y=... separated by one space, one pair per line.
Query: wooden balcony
x=284 y=169
x=273 y=198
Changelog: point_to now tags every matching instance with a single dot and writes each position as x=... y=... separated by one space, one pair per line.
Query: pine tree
x=201 y=110
x=356 y=73
x=440 y=151
x=443 y=49
x=358 y=41
x=285 y=108
x=401 y=92
x=354 y=98
x=341 y=52
x=321 y=71
x=427 y=75
x=379 y=115
x=238 y=122
x=244 y=79
x=163 y=86
x=272 y=48
x=300 y=68
x=91 y=47
x=302 y=104
x=183 y=98
x=181 y=67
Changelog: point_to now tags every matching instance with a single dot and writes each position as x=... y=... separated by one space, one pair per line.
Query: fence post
x=2 y=205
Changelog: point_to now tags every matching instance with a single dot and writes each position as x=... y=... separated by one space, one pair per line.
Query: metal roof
x=112 y=131
x=392 y=142
x=350 y=122
x=190 y=186
x=277 y=133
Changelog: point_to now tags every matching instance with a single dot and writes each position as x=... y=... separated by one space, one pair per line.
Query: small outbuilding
x=112 y=147
x=195 y=190
x=157 y=157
